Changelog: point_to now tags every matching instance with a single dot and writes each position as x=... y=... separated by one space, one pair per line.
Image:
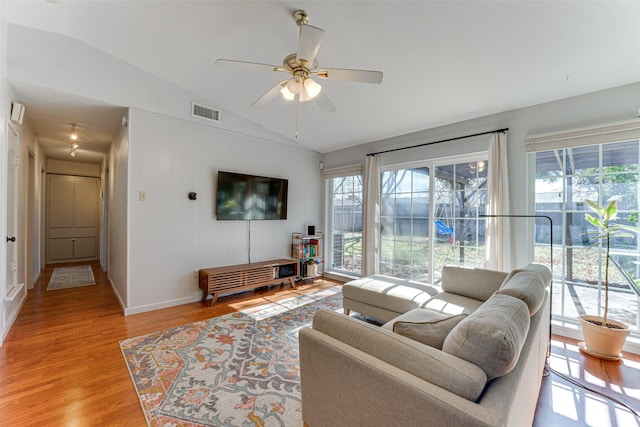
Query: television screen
x=249 y=197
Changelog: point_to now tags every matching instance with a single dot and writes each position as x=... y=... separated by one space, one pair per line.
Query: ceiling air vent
x=205 y=112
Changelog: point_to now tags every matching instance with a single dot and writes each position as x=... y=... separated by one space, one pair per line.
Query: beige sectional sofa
x=468 y=353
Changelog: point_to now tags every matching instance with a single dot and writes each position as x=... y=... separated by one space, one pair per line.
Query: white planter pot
x=601 y=341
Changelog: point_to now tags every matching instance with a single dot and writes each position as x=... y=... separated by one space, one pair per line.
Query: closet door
x=73 y=218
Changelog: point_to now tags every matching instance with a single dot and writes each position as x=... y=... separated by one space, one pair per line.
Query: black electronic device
x=287 y=270
x=250 y=197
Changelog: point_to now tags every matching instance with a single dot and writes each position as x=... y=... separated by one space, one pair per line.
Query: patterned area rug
x=71 y=277
x=241 y=369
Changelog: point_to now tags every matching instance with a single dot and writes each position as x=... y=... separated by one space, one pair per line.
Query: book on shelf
x=304 y=250
x=297 y=251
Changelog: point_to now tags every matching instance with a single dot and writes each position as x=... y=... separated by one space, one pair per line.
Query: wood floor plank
x=61 y=363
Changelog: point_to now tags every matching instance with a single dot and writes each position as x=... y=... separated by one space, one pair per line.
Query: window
x=430 y=216
x=564 y=179
x=345 y=213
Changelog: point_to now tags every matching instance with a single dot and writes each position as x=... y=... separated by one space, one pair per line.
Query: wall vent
x=203 y=112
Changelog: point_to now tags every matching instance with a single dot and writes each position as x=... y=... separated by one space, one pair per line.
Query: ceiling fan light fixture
x=294 y=85
x=304 y=97
x=312 y=88
x=287 y=94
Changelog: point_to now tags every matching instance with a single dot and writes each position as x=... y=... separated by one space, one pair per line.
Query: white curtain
x=371 y=217
x=498 y=236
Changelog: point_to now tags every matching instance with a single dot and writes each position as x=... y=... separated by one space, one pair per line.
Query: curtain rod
x=503 y=130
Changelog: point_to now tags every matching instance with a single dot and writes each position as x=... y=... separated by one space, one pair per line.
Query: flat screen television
x=250 y=197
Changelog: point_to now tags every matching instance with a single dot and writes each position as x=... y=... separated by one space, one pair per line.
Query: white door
x=12 y=210
x=73 y=218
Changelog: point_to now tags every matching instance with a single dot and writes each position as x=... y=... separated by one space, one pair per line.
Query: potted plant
x=604 y=337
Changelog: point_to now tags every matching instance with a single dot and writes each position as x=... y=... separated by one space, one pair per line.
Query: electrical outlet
x=195 y=274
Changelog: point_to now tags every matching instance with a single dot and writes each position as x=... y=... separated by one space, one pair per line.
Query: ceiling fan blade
x=309 y=43
x=364 y=76
x=324 y=102
x=247 y=65
x=270 y=95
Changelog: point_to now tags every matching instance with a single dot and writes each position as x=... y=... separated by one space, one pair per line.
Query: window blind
x=611 y=132
x=342 y=171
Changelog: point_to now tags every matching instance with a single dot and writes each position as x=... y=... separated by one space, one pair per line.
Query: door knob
x=11 y=239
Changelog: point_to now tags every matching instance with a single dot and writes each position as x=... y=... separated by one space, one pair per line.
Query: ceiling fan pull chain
x=297 y=115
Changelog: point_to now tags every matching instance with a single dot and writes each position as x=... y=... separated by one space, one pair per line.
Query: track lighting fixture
x=73 y=145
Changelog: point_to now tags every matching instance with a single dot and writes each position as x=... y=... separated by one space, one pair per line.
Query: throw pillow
x=541 y=270
x=426 y=326
x=492 y=336
x=527 y=286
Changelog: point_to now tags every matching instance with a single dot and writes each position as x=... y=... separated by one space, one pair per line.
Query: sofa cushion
x=448 y=303
x=390 y=293
x=476 y=283
x=426 y=326
x=492 y=336
x=526 y=286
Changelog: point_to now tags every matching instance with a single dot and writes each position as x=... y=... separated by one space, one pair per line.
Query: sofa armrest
x=429 y=364
x=343 y=386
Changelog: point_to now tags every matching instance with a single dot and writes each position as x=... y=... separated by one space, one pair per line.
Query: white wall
x=29 y=189
x=170 y=236
x=610 y=105
x=117 y=215
x=10 y=309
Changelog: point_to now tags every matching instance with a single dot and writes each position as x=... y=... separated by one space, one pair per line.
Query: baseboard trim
x=11 y=320
x=160 y=305
x=338 y=277
x=117 y=294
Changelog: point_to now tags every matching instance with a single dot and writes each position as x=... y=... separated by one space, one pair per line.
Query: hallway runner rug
x=71 y=277
x=240 y=369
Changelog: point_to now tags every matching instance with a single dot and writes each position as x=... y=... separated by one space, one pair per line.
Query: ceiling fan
x=302 y=66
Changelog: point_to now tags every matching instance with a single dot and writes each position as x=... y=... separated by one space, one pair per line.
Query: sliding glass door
x=460 y=199
x=404 y=219
x=346 y=225
x=430 y=216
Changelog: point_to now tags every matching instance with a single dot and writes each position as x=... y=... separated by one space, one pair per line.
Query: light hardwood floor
x=61 y=364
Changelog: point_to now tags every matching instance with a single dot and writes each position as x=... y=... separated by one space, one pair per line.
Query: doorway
x=73 y=218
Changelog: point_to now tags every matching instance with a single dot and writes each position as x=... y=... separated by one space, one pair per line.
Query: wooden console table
x=231 y=278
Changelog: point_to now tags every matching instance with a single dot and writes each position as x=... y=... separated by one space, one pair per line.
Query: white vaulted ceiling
x=443 y=61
